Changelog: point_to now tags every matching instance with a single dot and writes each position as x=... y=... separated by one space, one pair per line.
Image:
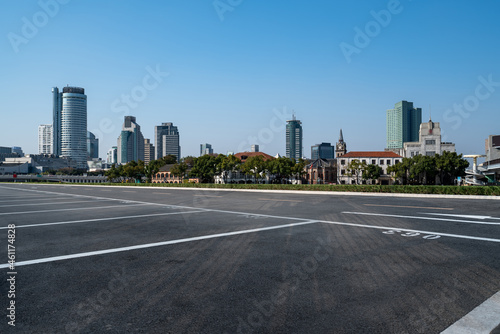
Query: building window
x=342 y=162
x=430 y=142
x=381 y=161
x=396 y=161
x=342 y=172
x=388 y=162
x=374 y=161
x=430 y=153
x=363 y=161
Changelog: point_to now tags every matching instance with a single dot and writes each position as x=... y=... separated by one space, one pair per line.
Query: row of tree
x=206 y=167
x=420 y=169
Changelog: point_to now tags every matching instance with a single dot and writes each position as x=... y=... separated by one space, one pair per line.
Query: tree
x=206 y=167
x=449 y=165
x=228 y=164
x=423 y=169
x=179 y=169
x=355 y=170
x=299 y=169
x=372 y=172
x=281 y=169
x=255 y=166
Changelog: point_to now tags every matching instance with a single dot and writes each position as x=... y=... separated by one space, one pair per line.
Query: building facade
x=429 y=142
x=112 y=155
x=92 y=146
x=70 y=124
x=149 y=151
x=321 y=171
x=45 y=137
x=382 y=159
x=206 y=149
x=341 y=146
x=294 y=139
x=167 y=141
x=403 y=123
x=130 y=142
x=322 y=151
x=56 y=121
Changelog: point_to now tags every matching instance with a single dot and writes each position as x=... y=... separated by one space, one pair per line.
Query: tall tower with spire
x=341 y=147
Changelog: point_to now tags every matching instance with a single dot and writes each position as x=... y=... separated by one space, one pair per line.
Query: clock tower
x=341 y=147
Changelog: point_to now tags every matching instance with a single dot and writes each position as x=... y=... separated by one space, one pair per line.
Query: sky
x=231 y=72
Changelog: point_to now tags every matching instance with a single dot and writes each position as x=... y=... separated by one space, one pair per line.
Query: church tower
x=341 y=147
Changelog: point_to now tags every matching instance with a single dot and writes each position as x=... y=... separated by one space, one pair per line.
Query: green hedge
x=442 y=190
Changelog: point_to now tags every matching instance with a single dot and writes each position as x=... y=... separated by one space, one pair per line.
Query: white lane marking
x=57 y=210
x=482 y=319
x=424 y=218
x=103 y=219
x=156 y=244
x=460 y=236
x=409 y=206
x=33 y=198
x=463 y=216
x=35 y=204
x=302 y=219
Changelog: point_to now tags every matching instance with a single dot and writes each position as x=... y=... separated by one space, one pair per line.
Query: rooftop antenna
x=430 y=113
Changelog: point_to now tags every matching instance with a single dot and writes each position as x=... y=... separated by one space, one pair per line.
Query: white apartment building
x=383 y=159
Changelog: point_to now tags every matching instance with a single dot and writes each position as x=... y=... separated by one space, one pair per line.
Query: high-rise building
x=341 y=147
x=56 y=121
x=112 y=156
x=322 y=151
x=92 y=146
x=45 y=137
x=70 y=124
x=294 y=139
x=254 y=148
x=167 y=141
x=149 y=151
x=18 y=150
x=206 y=149
x=130 y=142
x=403 y=123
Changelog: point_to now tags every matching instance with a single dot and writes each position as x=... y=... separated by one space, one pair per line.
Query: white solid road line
x=55 y=203
x=460 y=236
x=72 y=209
x=302 y=219
x=33 y=198
x=482 y=319
x=103 y=219
x=156 y=244
x=424 y=218
x=463 y=216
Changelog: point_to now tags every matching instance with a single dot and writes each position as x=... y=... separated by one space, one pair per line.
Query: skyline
x=242 y=72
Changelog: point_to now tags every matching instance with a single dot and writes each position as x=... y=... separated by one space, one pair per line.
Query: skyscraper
x=294 y=139
x=403 y=123
x=56 y=120
x=45 y=137
x=167 y=141
x=70 y=124
x=112 y=156
x=92 y=146
x=322 y=151
x=149 y=151
x=130 y=142
x=206 y=149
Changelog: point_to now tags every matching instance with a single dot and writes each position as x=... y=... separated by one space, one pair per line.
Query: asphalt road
x=93 y=259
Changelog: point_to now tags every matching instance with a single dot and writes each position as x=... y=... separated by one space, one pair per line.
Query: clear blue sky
x=234 y=70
